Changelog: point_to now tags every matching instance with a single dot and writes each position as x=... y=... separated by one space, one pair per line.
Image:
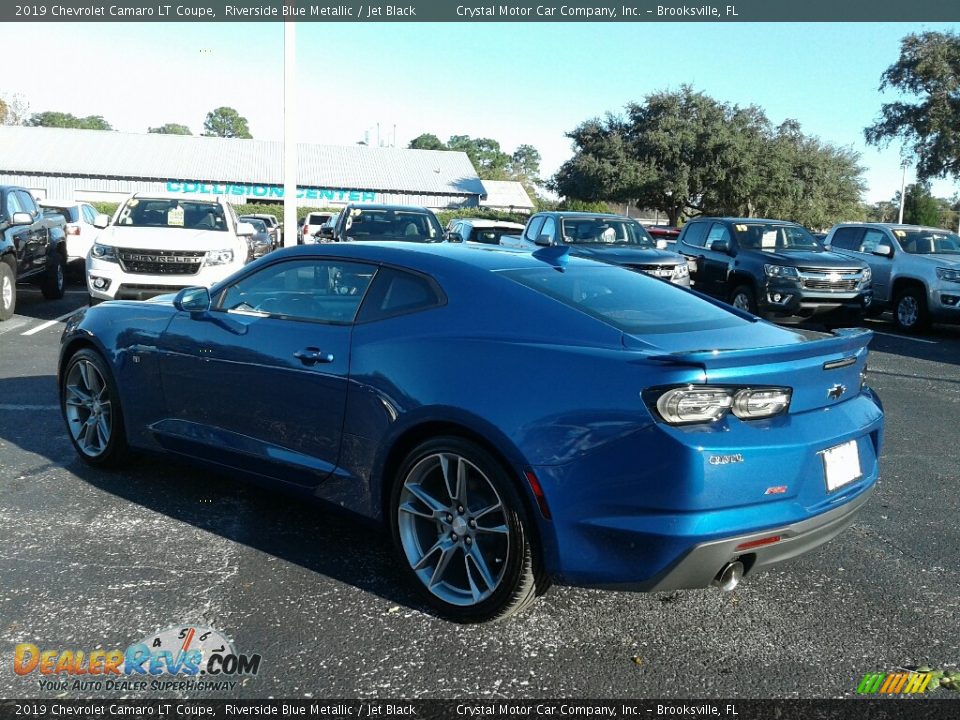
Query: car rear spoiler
x=844 y=342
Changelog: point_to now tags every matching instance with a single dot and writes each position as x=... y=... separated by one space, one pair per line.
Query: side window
x=327 y=291
x=26 y=202
x=872 y=238
x=718 y=231
x=89 y=213
x=533 y=229
x=13 y=205
x=549 y=228
x=695 y=233
x=847 y=238
x=397 y=292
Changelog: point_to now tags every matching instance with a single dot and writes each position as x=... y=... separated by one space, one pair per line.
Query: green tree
x=52 y=118
x=525 y=168
x=928 y=123
x=170 y=129
x=485 y=154
x=226 y=122
x=426 y=141
x=920 y=207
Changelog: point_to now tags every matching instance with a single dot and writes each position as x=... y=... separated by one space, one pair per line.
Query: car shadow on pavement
x=306 y=533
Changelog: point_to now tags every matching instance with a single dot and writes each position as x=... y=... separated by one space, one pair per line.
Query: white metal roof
x=506 y=193
x=105 y=153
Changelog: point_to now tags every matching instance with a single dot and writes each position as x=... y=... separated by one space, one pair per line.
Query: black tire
x=910 y=313
x=424 y=534
x=86 y=398
x=744 y=298
x=8 y=292
x=55 y=280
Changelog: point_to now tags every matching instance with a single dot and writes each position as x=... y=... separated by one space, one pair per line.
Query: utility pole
x=903 y=188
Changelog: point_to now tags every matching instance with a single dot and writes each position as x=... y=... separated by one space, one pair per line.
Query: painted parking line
x=907 y=337
x=11 y=325
x=48 y=323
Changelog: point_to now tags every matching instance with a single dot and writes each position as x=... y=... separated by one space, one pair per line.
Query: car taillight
x=705 y=404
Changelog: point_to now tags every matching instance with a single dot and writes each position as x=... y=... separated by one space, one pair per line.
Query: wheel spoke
x=486 y=511
x=495 y=530
x=103 y=432
x=451 y=477
x=76 y=396
x=89 y=434
x=426 y=498
x=84 y=368
x=409 y=507
x=424 y=561
x=445 y=556
x=481 y=565
x=474 y=590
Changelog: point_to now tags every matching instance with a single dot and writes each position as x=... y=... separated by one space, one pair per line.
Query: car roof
x=58 y=202
x=893 y=226
x=386 y=206
x=743 y=220
x=431 y=257
x=218 y=199
x=581 y=214
x=487 y=222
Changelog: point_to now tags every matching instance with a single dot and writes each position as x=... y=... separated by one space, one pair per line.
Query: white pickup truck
x=160 y=243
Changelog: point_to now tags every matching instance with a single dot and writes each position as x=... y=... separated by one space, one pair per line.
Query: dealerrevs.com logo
x=183 y=657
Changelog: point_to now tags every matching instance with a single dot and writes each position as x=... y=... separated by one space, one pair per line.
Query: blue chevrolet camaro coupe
x=513 y=418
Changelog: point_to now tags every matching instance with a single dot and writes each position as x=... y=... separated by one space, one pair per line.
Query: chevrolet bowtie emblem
x=836 y=391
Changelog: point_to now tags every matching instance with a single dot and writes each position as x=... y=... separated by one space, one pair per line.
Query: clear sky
x=513 y=82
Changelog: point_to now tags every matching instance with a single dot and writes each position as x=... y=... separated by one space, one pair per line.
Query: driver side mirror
x=245 y=228
x=101 y=221
x=720 y=246
x=454 y=237
x=544 y=240
x=192 y=300
x=883 y=250
x=661 y=244
x=21 y=218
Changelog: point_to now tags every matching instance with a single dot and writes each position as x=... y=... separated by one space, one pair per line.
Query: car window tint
x=533 y=229
x=13 y=205
x=549 y=228
x=872 y=238
x=26 y=202
x=629 y=301
x=846 y=238
x=328 y=291
x=718 y=231
x=397 y=292
x=695 y=233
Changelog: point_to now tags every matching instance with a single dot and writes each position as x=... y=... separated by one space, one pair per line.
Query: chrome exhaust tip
x=729 y=576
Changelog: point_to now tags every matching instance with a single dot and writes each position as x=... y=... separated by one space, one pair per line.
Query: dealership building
x=101 y=165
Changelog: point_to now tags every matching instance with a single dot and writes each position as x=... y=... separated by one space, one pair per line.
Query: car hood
x=942 y=259
x=138 y=238
x=626 y=255
x=806 y=258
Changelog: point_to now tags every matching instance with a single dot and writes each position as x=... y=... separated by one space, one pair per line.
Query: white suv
x=161 y=243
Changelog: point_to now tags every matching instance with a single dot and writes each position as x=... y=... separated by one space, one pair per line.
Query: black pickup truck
x=775 y=269
x=33 y=247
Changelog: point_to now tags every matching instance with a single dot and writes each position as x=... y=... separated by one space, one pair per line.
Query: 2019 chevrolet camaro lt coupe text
x=513 y=418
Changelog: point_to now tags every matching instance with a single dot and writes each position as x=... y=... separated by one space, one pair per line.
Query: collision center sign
x=270 y=191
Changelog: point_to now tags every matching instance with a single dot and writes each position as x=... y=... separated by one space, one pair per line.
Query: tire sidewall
x=55 y=282
x=116 y=445
x=516 y=518
x=749 y=294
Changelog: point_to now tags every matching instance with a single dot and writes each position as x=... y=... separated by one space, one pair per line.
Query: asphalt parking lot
x=93 y=560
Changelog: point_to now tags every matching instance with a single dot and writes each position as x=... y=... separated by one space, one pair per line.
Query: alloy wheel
x=454 y=529
x=6 y=291
x=88 y=408
x=908 y=311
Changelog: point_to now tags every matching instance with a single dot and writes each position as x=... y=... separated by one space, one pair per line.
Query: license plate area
x=841 y=465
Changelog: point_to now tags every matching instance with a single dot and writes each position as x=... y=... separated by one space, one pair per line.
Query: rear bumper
x=700 y=565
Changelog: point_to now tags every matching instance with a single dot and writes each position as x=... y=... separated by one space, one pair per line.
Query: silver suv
x=916 y=270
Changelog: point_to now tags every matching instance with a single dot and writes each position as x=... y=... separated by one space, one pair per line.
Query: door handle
x=312 y=356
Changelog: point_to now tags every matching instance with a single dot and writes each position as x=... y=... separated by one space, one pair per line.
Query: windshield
x=928 y=242
x=605 y=231
x=409 y=225
x=191 y=215
x=773 y=237
x=629 y=301
x=491 y=235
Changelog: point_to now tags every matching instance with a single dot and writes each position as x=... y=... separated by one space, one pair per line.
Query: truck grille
x=831 y=280
x=160 y=262
x=660 y=271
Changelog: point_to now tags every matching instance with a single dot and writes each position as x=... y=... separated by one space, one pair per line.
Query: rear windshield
x=491 y=235
x=927 y=242
x=605 y=231
x=629 y=301
x=186 y=214
x=317 y=219
x=773 y=237
x=379 y=224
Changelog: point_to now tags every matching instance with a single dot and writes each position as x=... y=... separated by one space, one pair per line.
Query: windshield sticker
x=900 y=233
x=741 y=228
x=175 y=216
x=769 y=240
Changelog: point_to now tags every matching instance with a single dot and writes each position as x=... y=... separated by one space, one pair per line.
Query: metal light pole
x=903 y=188
x=289 y=134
